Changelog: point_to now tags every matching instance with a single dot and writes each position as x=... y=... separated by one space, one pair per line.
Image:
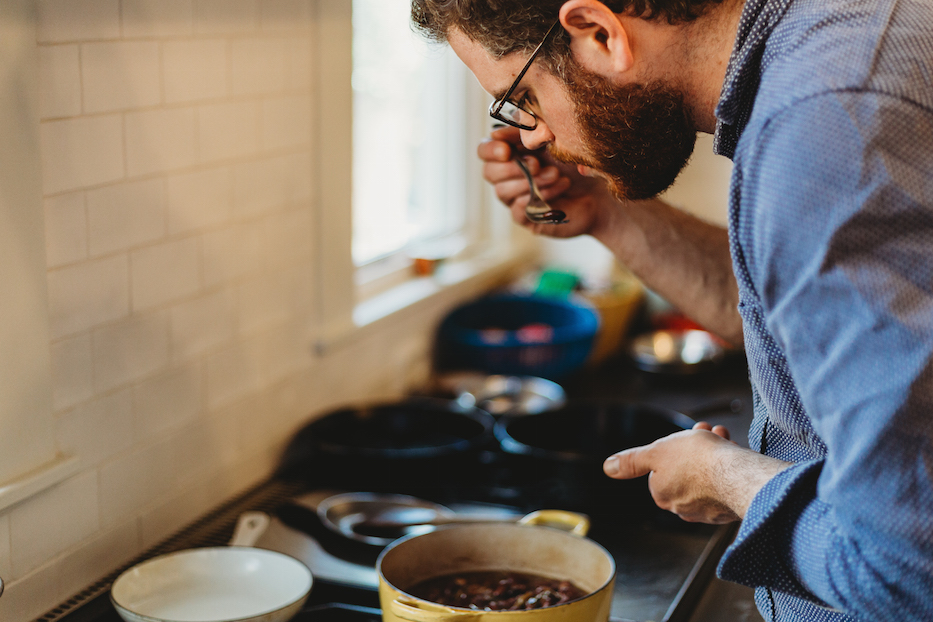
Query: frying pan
x=215 y=584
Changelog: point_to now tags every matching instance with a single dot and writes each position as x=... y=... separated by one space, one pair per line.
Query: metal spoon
x=537 y=210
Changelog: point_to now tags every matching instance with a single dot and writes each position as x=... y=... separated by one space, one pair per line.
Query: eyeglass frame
x=495 y=108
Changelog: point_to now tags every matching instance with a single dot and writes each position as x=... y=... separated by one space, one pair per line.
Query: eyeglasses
x=507 y=111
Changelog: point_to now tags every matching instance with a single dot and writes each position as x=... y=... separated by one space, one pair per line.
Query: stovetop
x=663 y=564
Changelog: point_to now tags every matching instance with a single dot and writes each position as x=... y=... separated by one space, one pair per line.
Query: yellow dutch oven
x=528 y=546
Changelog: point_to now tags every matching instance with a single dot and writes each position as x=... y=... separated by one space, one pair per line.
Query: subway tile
x=228 y=130
x=120 y=75
x=234 y=372
x=72 y=381
x=203 y=324
x=78 y=20
x=263 y=186
x=65 y=229
x=285 y=15
x=99 y=429
x=233 y=252
x=39 y=530
x=130 y=350
x=289 y=236
x=259 y=66
x=300 y=66
x=199 y=200
x=59 y=81
x=225 y=16
x=26 y=598
x=286 y=122
x=165 y=273
x=168 y=401
x=6 y=566
x=194 y=70
x=99 y=557
x=136 y=480
x=185 y=506
x=157 y=18
x=264 y=301
x=160 y=140
x=88 y=294
x=81 y=152
x=126 y=215
x=288 y=349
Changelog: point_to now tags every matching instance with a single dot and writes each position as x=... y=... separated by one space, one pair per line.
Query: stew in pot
x=496 y=591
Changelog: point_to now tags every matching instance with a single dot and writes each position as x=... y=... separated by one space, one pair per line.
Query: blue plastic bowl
x=518 y=335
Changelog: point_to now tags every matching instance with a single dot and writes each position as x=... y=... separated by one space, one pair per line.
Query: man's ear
x=598 y=39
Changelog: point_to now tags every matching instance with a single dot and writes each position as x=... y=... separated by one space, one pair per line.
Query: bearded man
x=825 y=274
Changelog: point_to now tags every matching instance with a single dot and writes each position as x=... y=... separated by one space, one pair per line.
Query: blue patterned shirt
x=827 y=113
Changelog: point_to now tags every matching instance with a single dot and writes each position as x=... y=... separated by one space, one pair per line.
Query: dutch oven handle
x=422 y=611
x=577 y=524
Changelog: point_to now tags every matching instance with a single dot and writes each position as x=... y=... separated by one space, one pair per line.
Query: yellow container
x=510 y=547
x=617 y=306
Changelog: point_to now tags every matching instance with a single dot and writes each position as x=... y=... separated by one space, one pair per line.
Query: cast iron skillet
x=401 y=446
x=565 y=449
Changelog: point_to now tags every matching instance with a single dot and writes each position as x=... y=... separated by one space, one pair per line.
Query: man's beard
x=640 y=136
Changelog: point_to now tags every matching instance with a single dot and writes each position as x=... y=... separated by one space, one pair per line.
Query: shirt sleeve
x=837 y=199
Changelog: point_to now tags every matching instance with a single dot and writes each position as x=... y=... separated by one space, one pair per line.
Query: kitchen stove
x=663 y=563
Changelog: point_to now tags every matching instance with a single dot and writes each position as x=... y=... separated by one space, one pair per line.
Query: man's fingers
x=719 y=430
x=628 y=464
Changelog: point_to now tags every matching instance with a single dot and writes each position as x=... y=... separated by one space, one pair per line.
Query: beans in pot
x=496 y=591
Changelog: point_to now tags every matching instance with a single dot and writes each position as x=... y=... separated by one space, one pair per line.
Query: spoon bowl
x=537 y=210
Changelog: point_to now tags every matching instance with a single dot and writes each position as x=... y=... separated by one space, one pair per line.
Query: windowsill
x=37 y=480
x=451 y=283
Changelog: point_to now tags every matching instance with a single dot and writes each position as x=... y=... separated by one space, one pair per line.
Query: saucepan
x=381 y=518
x=215 y=584
x=504 y=547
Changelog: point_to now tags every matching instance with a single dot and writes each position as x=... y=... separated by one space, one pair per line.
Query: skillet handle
x=249 y=527
x=423 y=611
x=575 y=523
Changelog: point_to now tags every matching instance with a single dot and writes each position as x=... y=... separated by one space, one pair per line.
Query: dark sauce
x=496 y=591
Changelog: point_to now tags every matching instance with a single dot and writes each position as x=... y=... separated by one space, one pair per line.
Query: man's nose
x=538 y=137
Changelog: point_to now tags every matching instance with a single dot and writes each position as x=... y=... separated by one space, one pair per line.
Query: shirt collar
x=758 y=20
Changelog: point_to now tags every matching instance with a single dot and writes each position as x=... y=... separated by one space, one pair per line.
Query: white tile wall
x=158 y=141
x=68 y=146
x=157 y=18
x=195 y=70
x=199 y=200
x=86 y=294
x=72 y=380
x=130 y=350
x=65 y=228
x=176 y=147
x=165 y=273
x=120 y=75
x=228 y=130
x=77 y=20
x=98 y=429
x=40 y=530
x=60 y=87
x=125 y=215
x=202 y=324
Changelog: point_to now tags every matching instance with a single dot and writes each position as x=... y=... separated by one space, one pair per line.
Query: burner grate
x=213 y=529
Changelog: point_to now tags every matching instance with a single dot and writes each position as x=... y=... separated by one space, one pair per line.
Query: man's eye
x=521 y=101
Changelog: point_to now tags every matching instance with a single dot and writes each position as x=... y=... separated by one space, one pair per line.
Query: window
x=398 y=120
x=409 y=143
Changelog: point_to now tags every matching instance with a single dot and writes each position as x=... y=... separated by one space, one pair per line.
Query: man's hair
x=505 y=26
